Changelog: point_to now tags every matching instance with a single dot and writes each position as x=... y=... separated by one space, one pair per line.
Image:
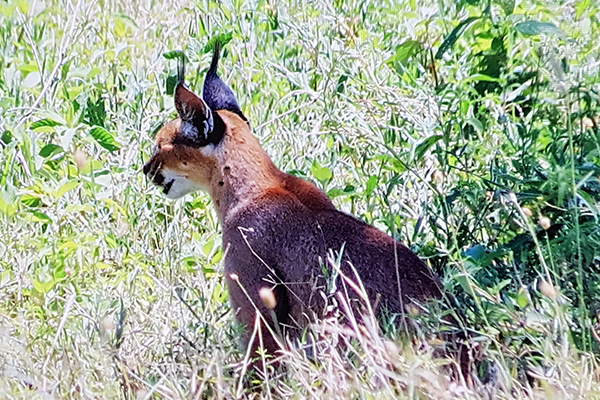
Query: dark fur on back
x=280 y=243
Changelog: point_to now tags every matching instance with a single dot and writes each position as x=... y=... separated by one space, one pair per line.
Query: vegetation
x=468 y=129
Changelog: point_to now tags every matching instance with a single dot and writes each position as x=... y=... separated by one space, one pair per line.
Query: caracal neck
x=244 y=171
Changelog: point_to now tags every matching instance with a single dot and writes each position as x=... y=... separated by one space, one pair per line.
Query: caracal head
x=184 y=158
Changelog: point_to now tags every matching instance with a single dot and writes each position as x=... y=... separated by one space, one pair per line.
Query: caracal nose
x=148 y=166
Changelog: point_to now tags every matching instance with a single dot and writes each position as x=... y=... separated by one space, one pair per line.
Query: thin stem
x=575 y=212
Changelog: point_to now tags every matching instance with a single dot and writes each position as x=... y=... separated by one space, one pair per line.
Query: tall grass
x=469 y=130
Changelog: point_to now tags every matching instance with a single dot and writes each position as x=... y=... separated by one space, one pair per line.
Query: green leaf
x=5 y=277
x=581 y=7
x=6 y=137
x=219 y=295
x=341 y=84
x=50 y=150
x=534 y=28
x=349 y=189
x=120 y=29
x=405 y=51
x=476 y=124
x=170 y=85
x=104 y=139
x=173 y=54
x=426 y=145
x=69 y=185
x=335 y=192
x=588 y=201
x=91 y=166
x=32 y=80
x=43 y=287
x=391 y=163
x=208 y=246
x=42 y=123
x=322 y=174
x=477 y=253
x=371 y=184
x=30 y=200
x=222 y=38
x=7 y=9
x=190 y=263
x=481 y=78
x=454 y=35
x=38 y=216
x=27 y=68
x=95 y=113
x=9 y=194
x=7 y=208
x=507 y=5
x=59 y=272
x=465 y=283
x=522 y=299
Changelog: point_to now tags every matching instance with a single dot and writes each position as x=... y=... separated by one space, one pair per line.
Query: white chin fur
x=180 y=185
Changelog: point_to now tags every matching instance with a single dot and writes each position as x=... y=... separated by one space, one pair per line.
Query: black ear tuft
x=181 y=68
x=215 y=92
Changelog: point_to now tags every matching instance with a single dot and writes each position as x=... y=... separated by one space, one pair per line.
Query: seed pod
x=587 y=123
x=267 y=297
x=80 y=158
x=412 y=310
x=108 y=324
x=438 y=176
x=544 y=222
x=547 y=289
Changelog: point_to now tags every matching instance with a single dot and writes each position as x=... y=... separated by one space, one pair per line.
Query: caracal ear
x=195 y=112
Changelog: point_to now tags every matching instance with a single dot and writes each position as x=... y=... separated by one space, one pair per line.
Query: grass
x=469 y=130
